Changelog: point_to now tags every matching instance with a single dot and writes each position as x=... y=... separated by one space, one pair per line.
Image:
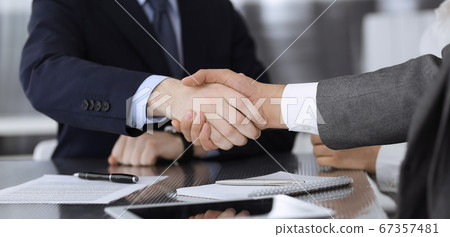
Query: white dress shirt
x=299 y=112
x=299 y=108
x=139 y=110
x=389 y=159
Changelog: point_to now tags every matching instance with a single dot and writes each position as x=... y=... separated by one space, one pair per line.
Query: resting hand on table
x=363 y=158
x=227 y=214
x=226 y=119
x=147 y=148
x=258 y=106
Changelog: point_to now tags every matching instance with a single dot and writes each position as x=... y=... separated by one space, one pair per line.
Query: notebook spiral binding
x=310 y=186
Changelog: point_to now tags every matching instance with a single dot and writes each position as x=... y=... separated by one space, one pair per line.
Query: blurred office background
x=353 y=36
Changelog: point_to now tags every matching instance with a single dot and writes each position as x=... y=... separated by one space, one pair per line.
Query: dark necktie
x=166 y=35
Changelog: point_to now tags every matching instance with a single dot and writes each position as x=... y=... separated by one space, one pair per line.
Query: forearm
x=61 y=83
x=59 y=86
x=374 y=108
x=271 y=108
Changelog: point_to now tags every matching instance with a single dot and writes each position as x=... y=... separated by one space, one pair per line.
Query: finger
x=128 y=151
x=238 y=82
x=138 y=148
x=315 y=140
x=241 y=84
x=212 y=214
x=229 y=132
x=243 y=213
x=228 y=213
x=204 y=138
x=186 y=124
x=240 y=102
x=148 y=156
x=219 y=140
x=176 y=124
x=250 y=109
x=196 y=128
x=112 y=161
x=322 y=150
x=326 y=161
x=200 y=216
x=207 y=76
x=240 y=122
x=219 y=121
x=118 y=149
x=147 y=150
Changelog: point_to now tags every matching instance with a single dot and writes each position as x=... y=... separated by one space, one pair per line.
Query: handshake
x=218 y=108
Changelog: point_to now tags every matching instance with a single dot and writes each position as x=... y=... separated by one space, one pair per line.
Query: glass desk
x=356 y=201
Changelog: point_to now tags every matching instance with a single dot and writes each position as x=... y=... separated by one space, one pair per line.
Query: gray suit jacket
x=373 y=108
x=410 y=102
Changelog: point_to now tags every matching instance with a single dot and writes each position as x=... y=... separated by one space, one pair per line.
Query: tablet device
x=280 y=206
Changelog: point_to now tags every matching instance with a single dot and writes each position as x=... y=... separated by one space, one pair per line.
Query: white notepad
x=223 y=192
x=68 y=189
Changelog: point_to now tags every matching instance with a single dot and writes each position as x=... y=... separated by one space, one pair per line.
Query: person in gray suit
x=408 y=102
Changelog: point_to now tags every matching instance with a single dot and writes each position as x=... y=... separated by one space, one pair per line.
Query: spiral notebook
x=223 y=192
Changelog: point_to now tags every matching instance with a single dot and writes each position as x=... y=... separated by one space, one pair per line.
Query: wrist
x=372 y=164
x=272 y=106
x=162 y=98
x=179 y=144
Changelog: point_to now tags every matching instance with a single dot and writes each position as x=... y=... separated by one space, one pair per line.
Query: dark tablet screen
x=254 y=207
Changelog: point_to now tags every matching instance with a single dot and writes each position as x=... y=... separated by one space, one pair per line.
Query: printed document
x=68 y=189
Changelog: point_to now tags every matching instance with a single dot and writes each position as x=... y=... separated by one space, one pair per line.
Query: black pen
x=116 y=178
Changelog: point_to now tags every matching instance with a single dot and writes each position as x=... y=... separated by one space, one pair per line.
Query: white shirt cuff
x=137 y=114
x=299 y=108
x=389 y=160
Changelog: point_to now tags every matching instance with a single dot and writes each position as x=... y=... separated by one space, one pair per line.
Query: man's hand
x=227 y=214
x=253 y=90
x=147 y=148
x=259 y=94
x=363 y=158
x=221 y=106
x=198 y=130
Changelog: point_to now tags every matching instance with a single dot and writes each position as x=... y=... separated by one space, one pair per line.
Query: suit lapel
x=194 y=34
x=137 y=37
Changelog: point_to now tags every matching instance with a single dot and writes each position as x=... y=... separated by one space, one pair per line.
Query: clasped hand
x=251 y=102
x=212 y=115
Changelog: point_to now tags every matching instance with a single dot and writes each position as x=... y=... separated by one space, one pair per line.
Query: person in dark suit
x=85 y=59
x=408 y=102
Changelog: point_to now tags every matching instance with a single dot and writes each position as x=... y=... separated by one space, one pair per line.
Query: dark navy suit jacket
x=85 y=58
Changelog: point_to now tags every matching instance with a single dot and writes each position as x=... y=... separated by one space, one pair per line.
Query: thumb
x=197 y=79
x=176 y=125
x=112 y=161
x=209 y=76
x=238 y=82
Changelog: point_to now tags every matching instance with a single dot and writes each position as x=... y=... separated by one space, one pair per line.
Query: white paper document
x=221 y=192
x=68 y=189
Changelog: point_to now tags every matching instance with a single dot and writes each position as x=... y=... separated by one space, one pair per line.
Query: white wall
x=14 y=17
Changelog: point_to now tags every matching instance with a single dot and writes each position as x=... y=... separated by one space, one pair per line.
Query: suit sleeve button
x=105 y=106
x=97 y=106
x=91 y=104
x=85 y=105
